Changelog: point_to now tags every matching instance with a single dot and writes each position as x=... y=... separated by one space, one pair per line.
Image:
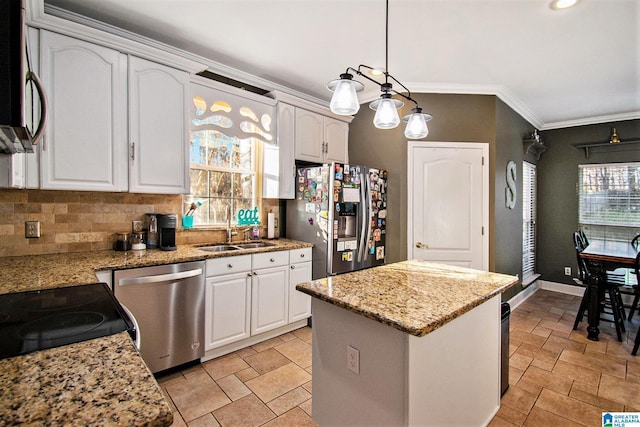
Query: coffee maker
x=167 y=231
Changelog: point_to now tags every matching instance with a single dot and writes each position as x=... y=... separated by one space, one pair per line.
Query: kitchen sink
x=254 y=245
x=222 y=247
x=219 y=248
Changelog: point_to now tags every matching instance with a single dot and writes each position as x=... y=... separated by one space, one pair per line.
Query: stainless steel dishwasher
x=167 y=302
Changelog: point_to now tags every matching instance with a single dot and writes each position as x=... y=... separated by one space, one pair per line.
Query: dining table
x=603 y=256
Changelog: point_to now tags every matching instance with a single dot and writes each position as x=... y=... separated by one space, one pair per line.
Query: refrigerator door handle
x=366 y=219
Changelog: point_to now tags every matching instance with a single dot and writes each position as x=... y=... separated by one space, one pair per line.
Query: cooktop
x=38 y=320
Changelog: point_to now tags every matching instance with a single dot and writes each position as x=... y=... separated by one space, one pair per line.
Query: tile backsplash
x=75 y=221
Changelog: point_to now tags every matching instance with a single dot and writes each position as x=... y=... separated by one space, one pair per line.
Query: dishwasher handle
x=160 y=278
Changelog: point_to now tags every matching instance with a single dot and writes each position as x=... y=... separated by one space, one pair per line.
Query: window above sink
x=228 y=136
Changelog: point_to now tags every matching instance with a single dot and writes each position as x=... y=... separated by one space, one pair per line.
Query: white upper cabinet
x=307 y=132
x=320 y=139
x=336 y=137
x=84 y=147
x=309 y=140
x=286 y=116
x=158 y=128
x=94 y=93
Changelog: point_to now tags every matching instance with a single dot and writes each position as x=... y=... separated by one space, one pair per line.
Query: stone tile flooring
x=556 y=376
x=266 y=384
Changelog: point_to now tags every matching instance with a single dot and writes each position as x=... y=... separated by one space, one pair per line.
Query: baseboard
x=546 y=285
x=230 y=348
x=561 y=287
x=524 y=295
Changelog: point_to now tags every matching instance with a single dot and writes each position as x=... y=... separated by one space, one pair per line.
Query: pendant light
x=345 y=99
x=416 y=124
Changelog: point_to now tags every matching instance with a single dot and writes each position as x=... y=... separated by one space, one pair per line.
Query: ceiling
x=555 y=68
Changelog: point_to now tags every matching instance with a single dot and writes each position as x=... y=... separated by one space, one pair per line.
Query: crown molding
x=462 y=89
x=497 y=90
x=59 y=20
x=634 y=115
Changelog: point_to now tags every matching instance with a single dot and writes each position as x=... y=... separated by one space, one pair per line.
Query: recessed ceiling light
x=562 y=4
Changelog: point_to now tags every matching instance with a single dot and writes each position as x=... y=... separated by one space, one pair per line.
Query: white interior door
x=448 y=203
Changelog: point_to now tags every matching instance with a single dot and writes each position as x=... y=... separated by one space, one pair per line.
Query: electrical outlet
x=567 y=271
x=32 y=229
x=353 y=360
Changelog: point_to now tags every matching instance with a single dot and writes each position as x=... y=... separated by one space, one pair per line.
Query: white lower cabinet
x=227 y=300
x=228 y=308
x=299 y=271
x=250 y=295
x=269 y=299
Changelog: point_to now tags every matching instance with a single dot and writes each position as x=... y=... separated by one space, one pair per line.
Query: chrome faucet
x=230 y=231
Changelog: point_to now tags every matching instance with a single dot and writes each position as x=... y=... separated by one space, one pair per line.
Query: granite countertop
x=34 y=272
x=97 y=382
x=416 y=297
x=100 y=381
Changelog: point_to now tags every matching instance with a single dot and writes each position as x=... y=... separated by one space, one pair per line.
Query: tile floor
x=556 y=376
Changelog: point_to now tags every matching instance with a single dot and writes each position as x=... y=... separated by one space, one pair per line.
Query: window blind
x=529 y=190
x=609 y=200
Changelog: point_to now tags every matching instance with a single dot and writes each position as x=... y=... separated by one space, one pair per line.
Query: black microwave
x=16 y=79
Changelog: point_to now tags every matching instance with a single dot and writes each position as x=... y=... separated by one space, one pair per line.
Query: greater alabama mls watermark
x=621 y=419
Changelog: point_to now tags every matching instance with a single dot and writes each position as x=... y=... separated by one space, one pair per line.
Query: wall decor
x=511 y=191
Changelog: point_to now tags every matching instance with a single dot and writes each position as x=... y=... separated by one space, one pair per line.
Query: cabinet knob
x=421 y=245
x=248 y=274
x=255 y=273
x=272 y=260
x=301 y=255
x=293 y=267
x=229 y=265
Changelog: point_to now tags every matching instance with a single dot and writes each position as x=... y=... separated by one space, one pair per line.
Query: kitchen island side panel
x=454 y=371
x=375 y=397
x=450 y=376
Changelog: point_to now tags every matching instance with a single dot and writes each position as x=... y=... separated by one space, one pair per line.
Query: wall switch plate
x=567 y=271
x=353 y=360
x=136 y=226
x=32 y=229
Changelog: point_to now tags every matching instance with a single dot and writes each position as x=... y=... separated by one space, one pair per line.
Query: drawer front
x=270 y=259
x=299 y=255
x=228 y=265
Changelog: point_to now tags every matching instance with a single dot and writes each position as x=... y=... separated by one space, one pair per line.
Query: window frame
x=238 y=98
x=529 y=218
x=609 y=227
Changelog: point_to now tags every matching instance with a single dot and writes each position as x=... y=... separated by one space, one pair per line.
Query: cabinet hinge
x=133 y=151
x=482 y=160
x=483 y=230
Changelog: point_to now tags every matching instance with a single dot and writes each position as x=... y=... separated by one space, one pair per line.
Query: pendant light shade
x=345 y=100
x=416 y=124
x=386 y=112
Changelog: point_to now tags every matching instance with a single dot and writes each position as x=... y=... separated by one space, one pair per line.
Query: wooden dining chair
x=636 y=300
x=636 y=290
x=611 y=303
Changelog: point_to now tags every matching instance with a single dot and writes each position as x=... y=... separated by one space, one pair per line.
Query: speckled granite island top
x=34 y=272
x=416 y=297
x=97 y=382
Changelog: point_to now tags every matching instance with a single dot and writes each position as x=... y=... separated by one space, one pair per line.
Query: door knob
x=421 y=245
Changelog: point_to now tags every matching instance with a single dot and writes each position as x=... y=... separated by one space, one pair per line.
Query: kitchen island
x=428 y=343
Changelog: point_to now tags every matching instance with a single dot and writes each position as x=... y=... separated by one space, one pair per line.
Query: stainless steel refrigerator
x=342 y=210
